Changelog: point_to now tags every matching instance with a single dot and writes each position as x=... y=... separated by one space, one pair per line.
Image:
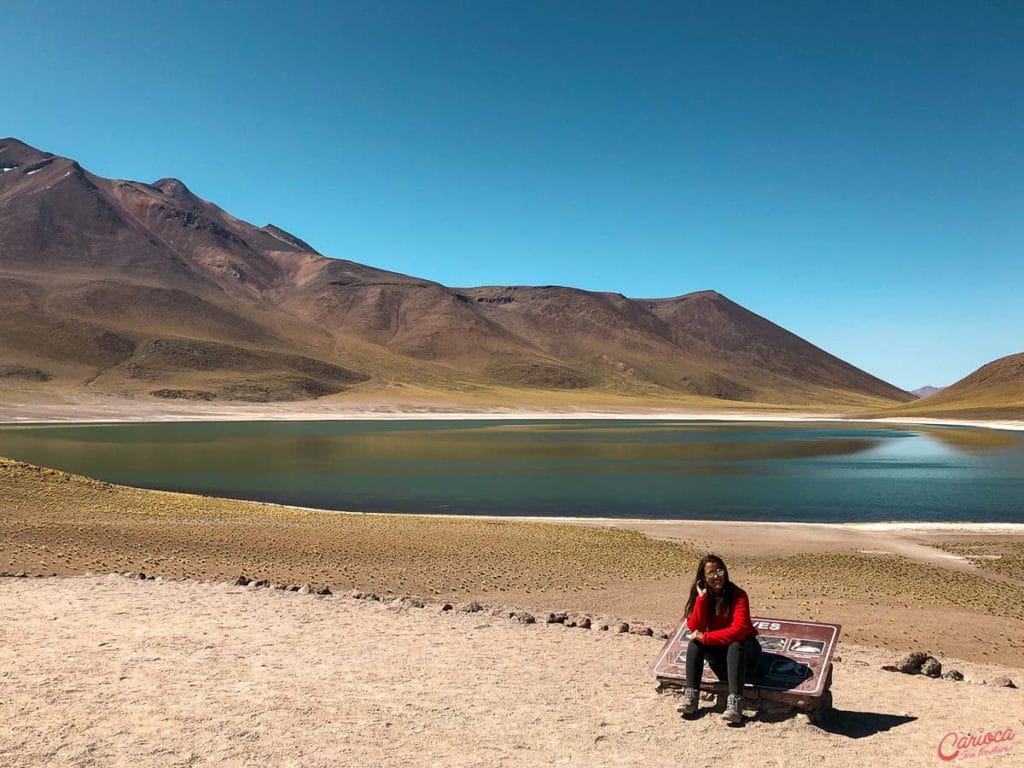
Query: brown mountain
x=120 y=287
x=994 y=391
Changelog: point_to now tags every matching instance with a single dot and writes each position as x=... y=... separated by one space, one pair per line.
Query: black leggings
x=732 y=662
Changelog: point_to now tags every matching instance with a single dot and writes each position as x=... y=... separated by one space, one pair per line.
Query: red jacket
x=722 y=630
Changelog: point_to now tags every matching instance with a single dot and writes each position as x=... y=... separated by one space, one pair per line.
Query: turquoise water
x=699 y=470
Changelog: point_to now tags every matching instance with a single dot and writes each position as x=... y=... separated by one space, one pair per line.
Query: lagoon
x=802 y=472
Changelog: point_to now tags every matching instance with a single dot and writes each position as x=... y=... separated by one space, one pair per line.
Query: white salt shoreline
x=122 y=415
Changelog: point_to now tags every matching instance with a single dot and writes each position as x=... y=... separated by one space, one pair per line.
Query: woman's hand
x=698 y=636
x=701 y=588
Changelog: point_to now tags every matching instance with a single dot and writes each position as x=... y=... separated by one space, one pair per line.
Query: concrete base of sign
x=766 y=701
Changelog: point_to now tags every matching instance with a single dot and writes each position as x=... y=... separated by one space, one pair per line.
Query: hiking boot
x=688 y=705
x=733 y=709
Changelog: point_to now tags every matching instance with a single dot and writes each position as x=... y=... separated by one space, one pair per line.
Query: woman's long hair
x=726 y=590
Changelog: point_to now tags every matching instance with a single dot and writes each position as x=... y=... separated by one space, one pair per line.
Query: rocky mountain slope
x=145 y=290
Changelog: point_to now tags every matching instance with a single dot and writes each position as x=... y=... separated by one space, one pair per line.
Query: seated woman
x=718 y=617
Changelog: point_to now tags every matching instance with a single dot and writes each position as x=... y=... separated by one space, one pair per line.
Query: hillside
x=115 y=287
x=994 y=391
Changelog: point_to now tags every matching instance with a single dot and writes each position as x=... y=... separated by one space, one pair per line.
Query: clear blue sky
x=852 y=171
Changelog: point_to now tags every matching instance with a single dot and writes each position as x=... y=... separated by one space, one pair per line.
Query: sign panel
x=796 y=656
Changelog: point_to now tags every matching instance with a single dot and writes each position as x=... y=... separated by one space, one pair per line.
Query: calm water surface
x=814 y=473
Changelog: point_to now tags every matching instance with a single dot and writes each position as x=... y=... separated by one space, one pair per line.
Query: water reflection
x=640 y=469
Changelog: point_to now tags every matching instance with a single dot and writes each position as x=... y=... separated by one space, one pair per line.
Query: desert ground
x=102 y=669
x=112 y=671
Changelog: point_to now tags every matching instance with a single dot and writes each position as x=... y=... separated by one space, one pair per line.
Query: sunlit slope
x=994 y=391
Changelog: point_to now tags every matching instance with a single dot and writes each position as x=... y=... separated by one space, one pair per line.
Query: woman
x=718 y=617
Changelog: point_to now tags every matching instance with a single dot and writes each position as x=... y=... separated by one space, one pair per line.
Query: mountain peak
x=175 y=188
x=14 y=153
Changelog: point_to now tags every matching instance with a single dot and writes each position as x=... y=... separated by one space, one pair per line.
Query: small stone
x=305 y=589
x=355 y=594
x=241 y=581
x=557 y=618
x=141 y=577
x=931 y=667
x=622 y=627
x=294 y=588
x=584 y=623
x=890 y=668
x=413 y=602
x=1002 y=682
x=372 y=597
x=603 y=628
x=911 y=663
x=525 y=618
x=837 y=659
x=324 y=591
x=446 y=607
x=473 y=607
x=21 y=575
x=661 y=635
x=954 y=674
x=640 y=630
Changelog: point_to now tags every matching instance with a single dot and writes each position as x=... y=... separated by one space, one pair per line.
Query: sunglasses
x=712 y=574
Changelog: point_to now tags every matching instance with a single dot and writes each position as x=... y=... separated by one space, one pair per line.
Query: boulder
x=931 y=667
x=911 y=663
x=473 y=607
x=525 y=618
x=1002 y=682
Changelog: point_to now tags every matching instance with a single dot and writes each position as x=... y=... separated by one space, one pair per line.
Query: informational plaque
x=796 y=657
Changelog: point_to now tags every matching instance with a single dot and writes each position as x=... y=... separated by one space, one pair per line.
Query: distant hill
x=146 y=290
x=926 y=390
x=994 y=391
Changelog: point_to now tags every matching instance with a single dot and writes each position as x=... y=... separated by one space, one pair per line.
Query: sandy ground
x=107 y=671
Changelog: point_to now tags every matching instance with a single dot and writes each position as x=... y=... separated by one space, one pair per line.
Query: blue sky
x=852 y=171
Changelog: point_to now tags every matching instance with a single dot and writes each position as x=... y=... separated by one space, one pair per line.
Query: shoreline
x=126 y=412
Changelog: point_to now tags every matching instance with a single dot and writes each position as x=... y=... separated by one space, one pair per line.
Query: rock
x=323 y=591
x=622 y=627
x=931 y=667
x=294 y=588
x=446 y=607
x=1002 y=682
x=558 y=618
x=241 y=581
x=305 y=589
x=603 y=628
x=911 y=663
x=662 y=635
x=837 y=659
x=355 y=594
x=640 y=630
x=584 y=623
x=21 y=575
x=473 y=607
x=889 y=668
x=413 y=602
x=525 y=618
x=954 y=674
x=141 y=577
x=372 y=597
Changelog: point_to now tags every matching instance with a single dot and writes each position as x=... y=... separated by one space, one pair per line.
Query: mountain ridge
x=95 y=270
